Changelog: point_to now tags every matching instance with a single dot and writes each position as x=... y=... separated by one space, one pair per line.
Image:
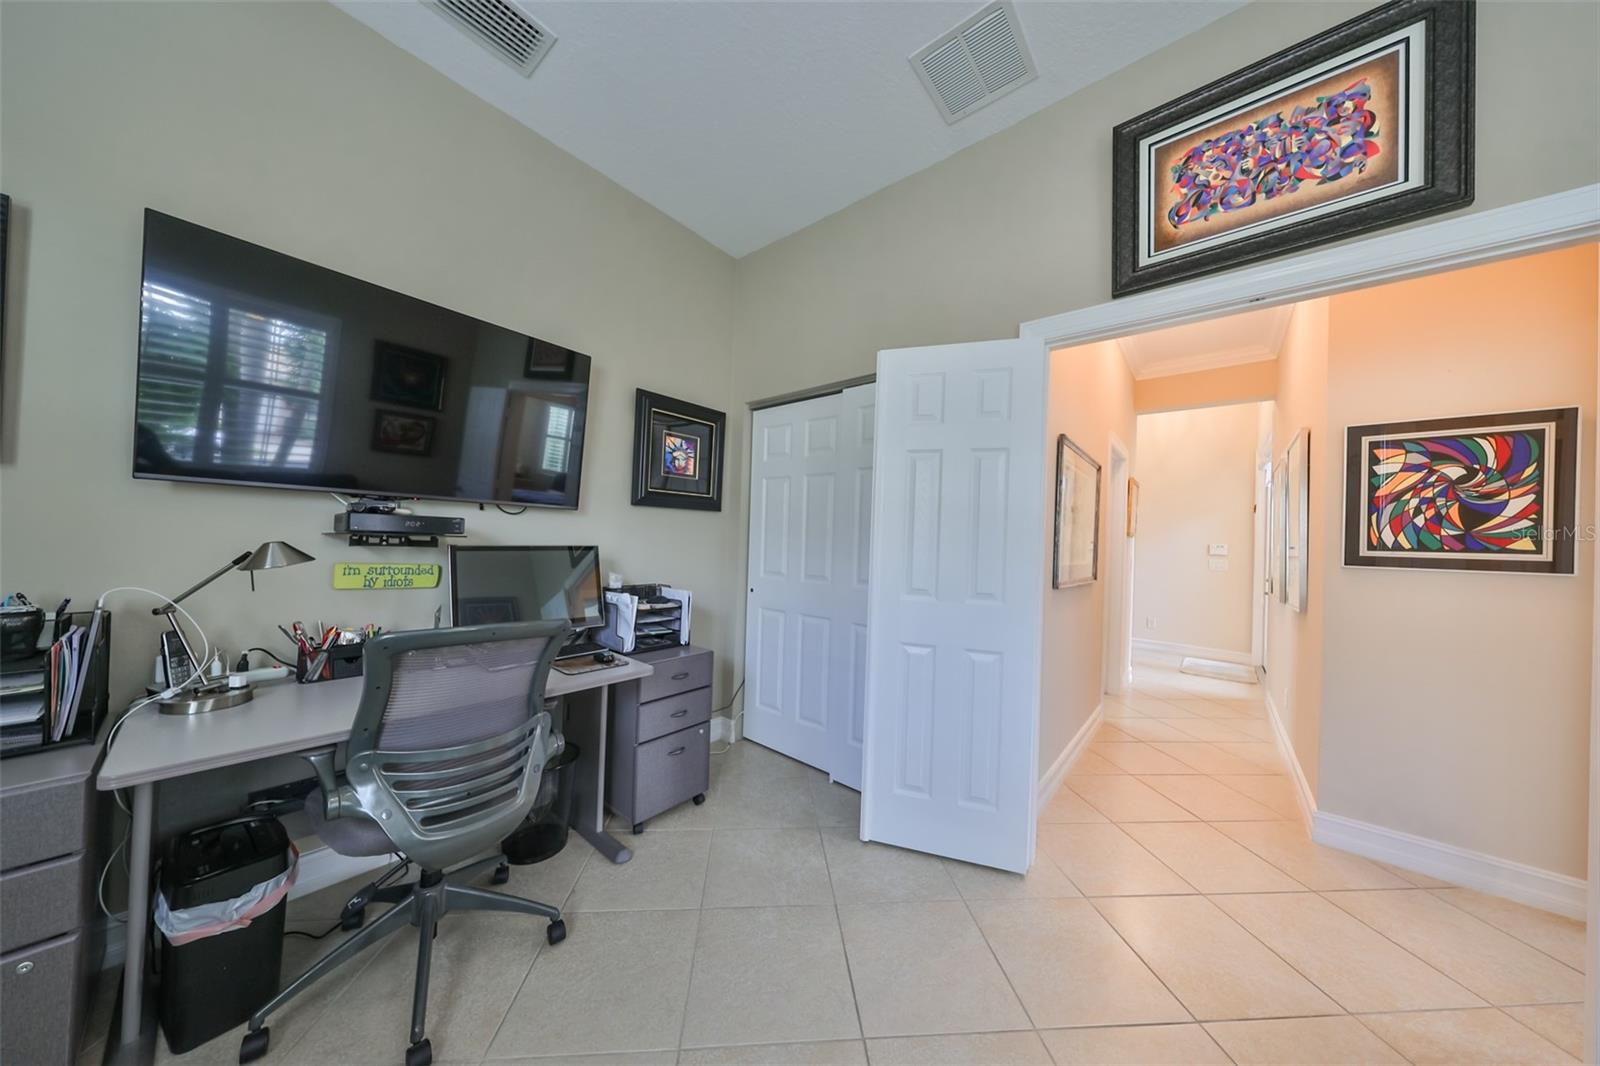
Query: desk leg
x=137 y=930
x=586 y=724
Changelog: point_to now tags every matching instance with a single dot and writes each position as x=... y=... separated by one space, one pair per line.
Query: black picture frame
x=656 y=416
x=407 y=376
x=1447 y=29
x=546 y=360
x=386 y=439
x=1561 y=477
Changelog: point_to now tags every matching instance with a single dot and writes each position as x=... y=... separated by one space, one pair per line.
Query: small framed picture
x=1132 y=527
x=402 y=433
x=546 y=360
x=408 y=376
x=677 y=453
x=1075 y=559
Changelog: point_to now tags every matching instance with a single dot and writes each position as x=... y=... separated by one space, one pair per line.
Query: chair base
x=422 y=905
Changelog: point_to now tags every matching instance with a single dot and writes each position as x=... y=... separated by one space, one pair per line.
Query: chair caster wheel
x=254 y=1044
x=353 y=919
x=556 y=933
x=638 y=827
x=699 y=798
x=419 y=1054
x=501 y=875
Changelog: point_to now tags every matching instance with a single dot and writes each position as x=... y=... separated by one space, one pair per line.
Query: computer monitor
x=526 y=583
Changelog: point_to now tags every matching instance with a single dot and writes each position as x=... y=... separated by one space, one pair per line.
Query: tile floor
x=1177 y=913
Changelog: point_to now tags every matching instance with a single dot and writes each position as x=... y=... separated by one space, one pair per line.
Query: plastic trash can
x=221 y=910
x=544 y=832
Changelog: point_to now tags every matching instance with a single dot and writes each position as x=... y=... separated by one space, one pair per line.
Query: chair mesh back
x=442 y=697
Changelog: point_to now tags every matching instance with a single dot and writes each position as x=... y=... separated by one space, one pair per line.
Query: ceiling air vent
x=976 y=63
x=501 y=28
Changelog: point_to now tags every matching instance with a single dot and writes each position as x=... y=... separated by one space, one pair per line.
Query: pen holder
x=344 y=660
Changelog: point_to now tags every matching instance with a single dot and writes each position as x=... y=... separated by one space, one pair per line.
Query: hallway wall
x=1196 y=472
x=1091 y=399
x=1456 y=705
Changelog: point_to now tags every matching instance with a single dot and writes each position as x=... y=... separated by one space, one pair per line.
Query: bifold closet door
x=805 y=624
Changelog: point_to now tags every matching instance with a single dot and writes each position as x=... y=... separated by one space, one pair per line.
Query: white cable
x=198 y=675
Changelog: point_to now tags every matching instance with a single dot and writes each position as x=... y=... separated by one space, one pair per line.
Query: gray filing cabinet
x=660 y=736
x=47 y=800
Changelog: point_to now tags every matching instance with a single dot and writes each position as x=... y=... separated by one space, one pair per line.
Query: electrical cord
x=507 y=510
x=111 y=734
x=736 y=718
x=275 y=658
x=395 y=871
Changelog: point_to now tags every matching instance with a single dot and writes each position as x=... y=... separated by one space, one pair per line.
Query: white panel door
x=853 y=544
x=791 y=628
x=956 y=597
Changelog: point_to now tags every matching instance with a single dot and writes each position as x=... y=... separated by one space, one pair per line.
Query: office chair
x=444 y=760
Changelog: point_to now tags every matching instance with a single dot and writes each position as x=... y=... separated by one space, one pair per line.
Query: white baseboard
x=1471 y=869
x=1221 y=655
x=1302 y=787
x=1050 y=780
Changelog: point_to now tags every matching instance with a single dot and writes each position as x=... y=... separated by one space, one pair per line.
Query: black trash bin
x=544 y=832
x=210 y=985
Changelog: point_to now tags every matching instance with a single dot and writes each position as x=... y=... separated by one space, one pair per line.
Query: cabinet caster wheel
x=419 y=1054
x=501 y=875
x=556 y=933
x=638 y=827
x=254 y=1044
x=699 y=798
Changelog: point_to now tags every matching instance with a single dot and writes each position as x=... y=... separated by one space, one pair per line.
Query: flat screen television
x=257 y=368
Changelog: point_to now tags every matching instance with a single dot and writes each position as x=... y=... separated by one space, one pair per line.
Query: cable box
x=382 y=523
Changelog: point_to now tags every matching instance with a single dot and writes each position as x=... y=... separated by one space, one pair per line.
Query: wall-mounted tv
x=257 y=368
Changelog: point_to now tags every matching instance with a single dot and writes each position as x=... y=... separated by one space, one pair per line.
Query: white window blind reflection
x=557 y=438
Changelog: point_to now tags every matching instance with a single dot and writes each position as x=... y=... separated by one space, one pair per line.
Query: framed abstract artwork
x=1363 y=126
x=677 y=453
x=1488 y=492
x=1297 y=521
x=407 y=376
x=1075 y=556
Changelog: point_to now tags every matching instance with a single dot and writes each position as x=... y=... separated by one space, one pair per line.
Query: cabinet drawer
x=40 y=901
x=39 y=1002
x=670 y=770
x=660 y=717
x=676 y=673
x=42 y=823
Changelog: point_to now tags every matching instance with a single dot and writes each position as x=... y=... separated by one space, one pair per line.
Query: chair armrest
x=338 y=798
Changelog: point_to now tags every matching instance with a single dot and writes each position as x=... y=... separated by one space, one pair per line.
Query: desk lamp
x=215 y=695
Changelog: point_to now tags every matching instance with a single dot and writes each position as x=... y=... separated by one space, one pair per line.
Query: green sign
x=386 y=575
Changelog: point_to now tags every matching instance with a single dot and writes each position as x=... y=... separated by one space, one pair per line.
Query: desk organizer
x=28 y=683
x=344 y=660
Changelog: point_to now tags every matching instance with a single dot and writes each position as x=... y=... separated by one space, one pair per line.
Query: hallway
x=1181 y=826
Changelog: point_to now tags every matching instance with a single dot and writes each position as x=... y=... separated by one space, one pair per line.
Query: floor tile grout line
x=844 y=946
x=995 y=955
x=1434 y=892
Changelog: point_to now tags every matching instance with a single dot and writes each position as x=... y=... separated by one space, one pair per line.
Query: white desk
x=287 y=719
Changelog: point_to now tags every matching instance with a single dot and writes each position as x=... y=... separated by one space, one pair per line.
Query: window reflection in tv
x=261 y=369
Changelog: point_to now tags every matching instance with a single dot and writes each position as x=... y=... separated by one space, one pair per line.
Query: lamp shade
x=273 y=554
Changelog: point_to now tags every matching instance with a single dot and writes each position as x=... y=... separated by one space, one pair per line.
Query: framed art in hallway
x=1487 y=492
x=1076 y=550
x=1297 y=521
x=677 y=453
x=1363 y=126
x=1132 y=526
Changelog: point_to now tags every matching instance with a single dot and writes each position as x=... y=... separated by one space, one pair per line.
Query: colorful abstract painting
x=1486 y=493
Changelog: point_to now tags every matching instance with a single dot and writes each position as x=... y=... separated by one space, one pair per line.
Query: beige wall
x=1197 y=487
x=1016 y=227
x=1456 y=705
x=1091 y=401
x=1294 y=639
x=293 y=126
x=1246 y=383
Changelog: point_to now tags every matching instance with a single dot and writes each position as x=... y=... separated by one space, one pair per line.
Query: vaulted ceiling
x=747 y=121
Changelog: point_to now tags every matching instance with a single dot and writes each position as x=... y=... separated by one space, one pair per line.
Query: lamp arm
x=172 y=604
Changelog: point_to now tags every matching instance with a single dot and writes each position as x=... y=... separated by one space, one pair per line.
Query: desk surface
x=284 y=718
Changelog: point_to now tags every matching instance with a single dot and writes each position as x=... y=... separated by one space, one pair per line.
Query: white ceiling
x=747 y=121
x=1247 y=337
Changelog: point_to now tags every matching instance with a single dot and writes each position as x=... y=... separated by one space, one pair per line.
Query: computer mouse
x=604 y=657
